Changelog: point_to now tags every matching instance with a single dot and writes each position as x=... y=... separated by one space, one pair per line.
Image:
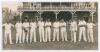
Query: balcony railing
x=72 y=7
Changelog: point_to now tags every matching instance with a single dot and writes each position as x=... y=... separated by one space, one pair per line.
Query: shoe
x=40 y=41
x=53 y=40
x=44 y=41
x=66 y=40
x=79 y=40
x=11 y=43
x=27 y=42
x=71 y=41
x=23 y=41
x=85 y=40
x=20 y=42
x=57 y=40
x=62 y=40
x=74 y=41
x=35 y=41
x=92 y=42
x=89 y=41
x=16 y=42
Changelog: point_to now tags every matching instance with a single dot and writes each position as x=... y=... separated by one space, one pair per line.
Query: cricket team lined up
x=26 y=32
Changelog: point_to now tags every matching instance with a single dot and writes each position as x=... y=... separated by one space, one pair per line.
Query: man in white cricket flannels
x=7 y=32
x=41 y=30
x=48 y=30
x=73 y=29
x=56 y=30
x=25 y=31
x=82 y=29
x=33 y=31
x=63 y=30
x=90 y=26
x=18 y=27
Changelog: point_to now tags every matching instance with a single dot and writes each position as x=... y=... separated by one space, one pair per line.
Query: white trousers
x=7 y=34
x=64 y=34
x=82 y=32
x=48 y=34
x=90 y=35
x=25 y=36
x=41 y=33
x=19 y=36
x=32 y=35
x=73 y=35
x=56 y=34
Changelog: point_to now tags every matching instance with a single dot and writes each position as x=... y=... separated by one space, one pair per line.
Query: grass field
x=55 y=45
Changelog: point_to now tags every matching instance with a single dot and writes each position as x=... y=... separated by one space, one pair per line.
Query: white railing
x=72 y=7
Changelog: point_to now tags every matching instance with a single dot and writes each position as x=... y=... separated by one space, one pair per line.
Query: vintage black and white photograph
x=50 y=25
